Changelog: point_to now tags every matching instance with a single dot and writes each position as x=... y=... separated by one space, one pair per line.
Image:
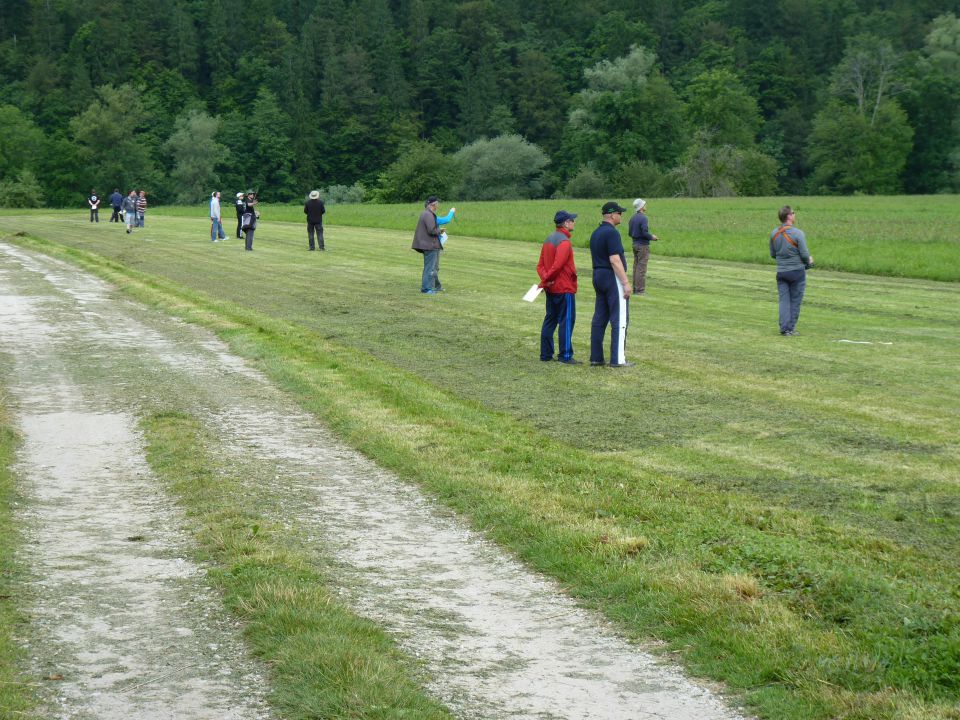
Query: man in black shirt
x=94 y=202
x=612 y=287
x=314 y=211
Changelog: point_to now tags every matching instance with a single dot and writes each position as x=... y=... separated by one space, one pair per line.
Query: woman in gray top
x=789 y=247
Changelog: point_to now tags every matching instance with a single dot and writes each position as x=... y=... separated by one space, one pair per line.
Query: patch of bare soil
x=495 y=640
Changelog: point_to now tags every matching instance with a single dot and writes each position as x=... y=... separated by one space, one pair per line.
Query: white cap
x=639 y=203
x=239 y=194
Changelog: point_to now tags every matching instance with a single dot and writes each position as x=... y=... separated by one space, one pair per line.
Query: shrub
x=421 y=170
x=640 y=178
x=24 y=192
x=504 y=168
x=724 y=170
x=587 y=183
x=343 y=194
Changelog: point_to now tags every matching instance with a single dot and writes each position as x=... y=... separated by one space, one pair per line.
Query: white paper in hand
x=532 y=293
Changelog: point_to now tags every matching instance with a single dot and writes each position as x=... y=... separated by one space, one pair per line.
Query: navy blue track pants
x=562 y=314
x=612 y=308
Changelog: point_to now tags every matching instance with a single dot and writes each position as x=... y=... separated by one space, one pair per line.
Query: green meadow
x=915 y=237
x=783 y=513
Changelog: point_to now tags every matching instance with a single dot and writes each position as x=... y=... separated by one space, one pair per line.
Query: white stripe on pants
x=619 y=348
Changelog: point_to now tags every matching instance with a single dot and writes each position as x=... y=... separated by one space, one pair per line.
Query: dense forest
x=386 y=100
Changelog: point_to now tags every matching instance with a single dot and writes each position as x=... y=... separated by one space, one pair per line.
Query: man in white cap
x=239 y=208
x=639 y=230
x=314 y=211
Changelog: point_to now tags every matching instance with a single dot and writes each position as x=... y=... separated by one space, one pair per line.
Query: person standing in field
x=639 y=231
x=216 y=224
x=314 y=210
x=141 y=208
x=238 y=205
x=249 y=219
x=130 y=210
x=426 y=240
x=116 y=202
x=613 y=290
x=558 y=278
x=94 y=202
x=788 y=246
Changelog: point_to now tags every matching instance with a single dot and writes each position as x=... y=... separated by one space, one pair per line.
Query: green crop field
x=898 y=236
x=783 y=512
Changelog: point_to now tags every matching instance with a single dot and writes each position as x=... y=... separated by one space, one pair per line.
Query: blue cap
x=562 y=216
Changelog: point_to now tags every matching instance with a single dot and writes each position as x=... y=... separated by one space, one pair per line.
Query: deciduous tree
x=196 y=155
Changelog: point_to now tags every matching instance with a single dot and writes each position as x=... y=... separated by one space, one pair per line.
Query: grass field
x=915 y=237
x=15 y=696
x=783 y=512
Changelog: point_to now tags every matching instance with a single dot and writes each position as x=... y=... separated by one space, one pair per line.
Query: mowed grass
x=916 y=236
x=16 y=699
x=782 y=511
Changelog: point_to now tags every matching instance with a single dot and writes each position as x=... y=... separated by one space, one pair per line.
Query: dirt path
x=123 y=624
x=495 y=640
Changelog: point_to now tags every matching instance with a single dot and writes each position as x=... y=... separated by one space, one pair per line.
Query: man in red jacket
x=558 y=277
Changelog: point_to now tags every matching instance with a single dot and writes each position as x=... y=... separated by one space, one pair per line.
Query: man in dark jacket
x=558 y=277
x=116 y=202
x=314 y=211
x=426 y=240
x=639 y=231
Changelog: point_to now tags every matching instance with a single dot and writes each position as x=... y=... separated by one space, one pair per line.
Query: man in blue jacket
x=612 y=286
x=639 y=231
x=116 y=202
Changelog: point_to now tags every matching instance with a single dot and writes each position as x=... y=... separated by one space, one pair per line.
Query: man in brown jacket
x=426 y=240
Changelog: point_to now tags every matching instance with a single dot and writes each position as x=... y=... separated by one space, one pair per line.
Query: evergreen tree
x=111 y=140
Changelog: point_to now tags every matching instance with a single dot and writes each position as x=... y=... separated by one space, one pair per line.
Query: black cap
x=611 y=207
x=562 y=216
x=431 y=199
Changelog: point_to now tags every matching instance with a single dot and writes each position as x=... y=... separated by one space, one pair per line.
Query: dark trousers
x=318 y=229
x=613 y=309
x=248 y=239
x=790 y=287
x=239 y=226
x=94 y=215
x=116 y=215
x=562 y=313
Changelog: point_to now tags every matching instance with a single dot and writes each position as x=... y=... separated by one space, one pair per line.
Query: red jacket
x=557 y=272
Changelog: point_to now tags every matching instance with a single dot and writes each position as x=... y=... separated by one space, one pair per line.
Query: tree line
x=388 y=100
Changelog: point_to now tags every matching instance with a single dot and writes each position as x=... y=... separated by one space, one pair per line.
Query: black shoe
x=570 y=361
x=622 y=365
x=549 y=359
x=597 y=363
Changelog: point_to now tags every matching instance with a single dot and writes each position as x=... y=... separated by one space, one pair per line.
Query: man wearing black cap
x=426 y=240
x=613 y=289
x=558 y=277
